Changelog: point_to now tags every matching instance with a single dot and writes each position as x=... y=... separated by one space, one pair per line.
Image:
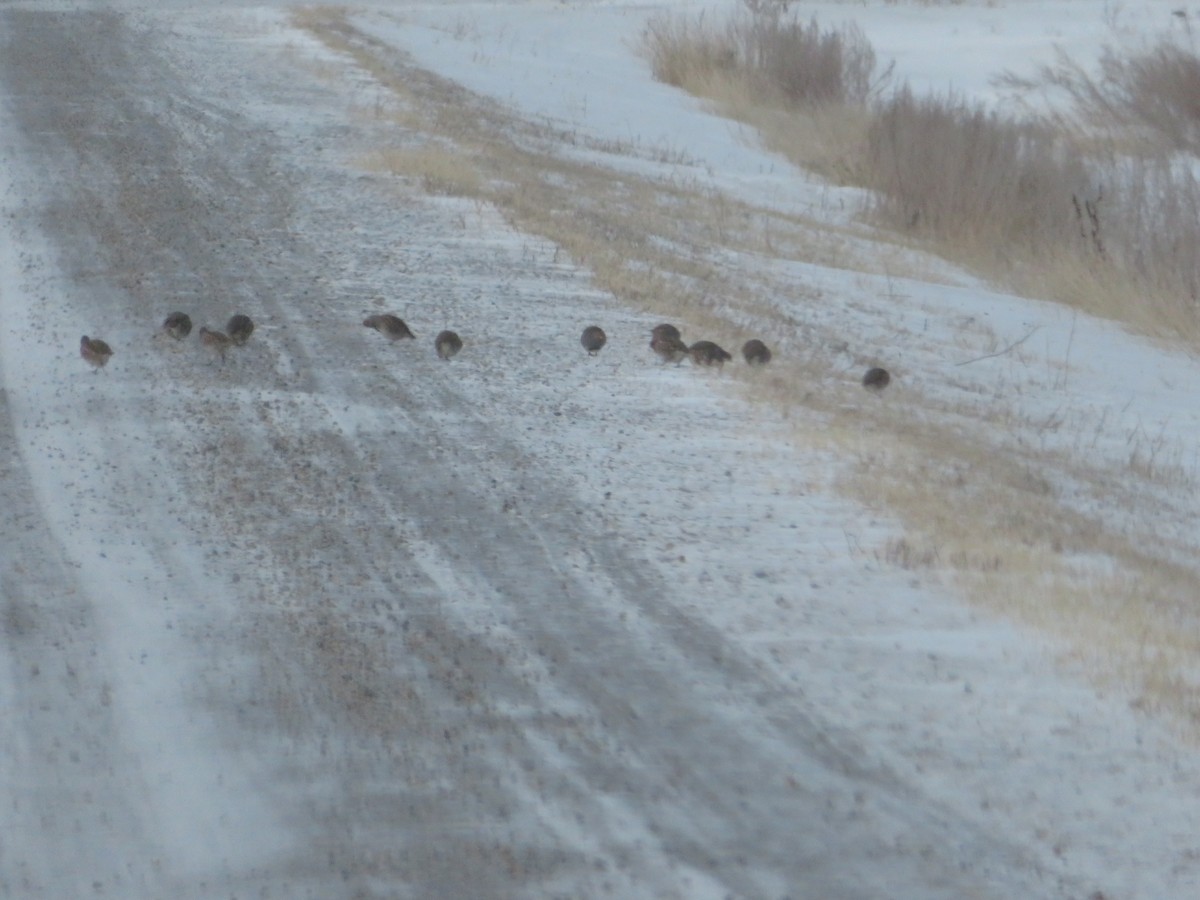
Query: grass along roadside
x=1058 y=207
x=976 y=505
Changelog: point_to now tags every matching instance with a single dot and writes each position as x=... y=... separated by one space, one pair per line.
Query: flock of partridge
x=178 y=325
x=668 y=344
x=665 y=341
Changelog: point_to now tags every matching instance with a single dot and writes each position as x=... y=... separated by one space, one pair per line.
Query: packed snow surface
x=337 y=618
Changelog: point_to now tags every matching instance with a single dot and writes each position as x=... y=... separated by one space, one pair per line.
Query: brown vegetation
x=991 y=520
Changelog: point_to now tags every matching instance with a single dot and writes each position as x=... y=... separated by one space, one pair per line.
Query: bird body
x=447 y=344
x=665 y=330
x=239 y=328
x=593 y=339
x=177 y=325
x=391 y=327
x=706 y=353
x=756 y=353
x=669 y=348
x=215 y=341
x=876 y=379
x=95 y=351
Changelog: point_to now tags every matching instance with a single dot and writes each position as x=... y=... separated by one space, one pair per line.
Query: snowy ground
x=339 y=619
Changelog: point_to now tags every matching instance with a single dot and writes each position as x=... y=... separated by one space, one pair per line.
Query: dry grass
x=1137 y=122
x=439 y=169
x=995 y=524
x=804 y=88
x=954 y=173
x=780 y=59
x=638 y=237
x=991 y=520
x=1150 y=96
x=826 y=139
x=1018 y=201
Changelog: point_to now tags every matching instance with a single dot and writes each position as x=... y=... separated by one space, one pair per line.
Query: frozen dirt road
x=337 y=619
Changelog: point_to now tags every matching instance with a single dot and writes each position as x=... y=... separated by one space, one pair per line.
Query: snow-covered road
x=340 y=619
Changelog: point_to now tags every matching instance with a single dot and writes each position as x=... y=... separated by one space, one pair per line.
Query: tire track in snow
x=61 y=731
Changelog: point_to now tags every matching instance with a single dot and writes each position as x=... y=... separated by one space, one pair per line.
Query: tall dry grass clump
x=764 y=52
x=805 y=89
x=689 y=53
x=802 y=64
x=1151 y=95
x=952 y=171
x=1117 y=236
x=1152 y=228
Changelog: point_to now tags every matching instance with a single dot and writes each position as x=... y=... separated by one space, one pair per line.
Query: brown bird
x=239 y=328
x=756 y=353
x=447 y=344
x=706 y=353
x=593 y=339
x=95 y=351
x=876 y=380
x=391 y=327
x=178 y=325
x=669 y=349
x=216 y=342
x=665 y=330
